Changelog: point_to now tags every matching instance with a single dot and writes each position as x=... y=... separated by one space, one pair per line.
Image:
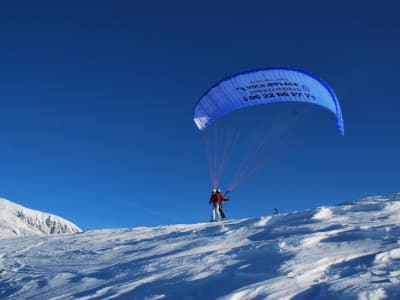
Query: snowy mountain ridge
x=16 y=220
x=348 y=251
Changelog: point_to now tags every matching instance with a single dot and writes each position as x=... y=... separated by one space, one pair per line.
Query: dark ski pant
x=221 y=212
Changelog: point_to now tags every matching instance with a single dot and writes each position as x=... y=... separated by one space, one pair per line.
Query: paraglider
x=249 y=89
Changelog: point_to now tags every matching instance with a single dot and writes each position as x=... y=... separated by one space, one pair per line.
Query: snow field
x=349 y=251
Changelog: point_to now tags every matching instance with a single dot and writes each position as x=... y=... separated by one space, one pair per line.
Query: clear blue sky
x=97 y=99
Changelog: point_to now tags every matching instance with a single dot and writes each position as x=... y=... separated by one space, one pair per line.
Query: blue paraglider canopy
x=265 y=86
x=248 y=89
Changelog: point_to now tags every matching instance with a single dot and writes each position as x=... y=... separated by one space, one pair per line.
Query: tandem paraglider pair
x=216 y=199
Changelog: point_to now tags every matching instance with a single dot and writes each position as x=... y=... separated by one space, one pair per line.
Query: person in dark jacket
x=216 y=199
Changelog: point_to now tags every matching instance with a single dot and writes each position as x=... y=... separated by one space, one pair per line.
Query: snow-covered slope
x=349 y=251
x=16 y=220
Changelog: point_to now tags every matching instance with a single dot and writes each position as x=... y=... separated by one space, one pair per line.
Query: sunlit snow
x=349 y=251
x=16 y=220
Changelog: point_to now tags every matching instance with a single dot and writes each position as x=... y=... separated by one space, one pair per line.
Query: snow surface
x=349 y=251
x=16 y=220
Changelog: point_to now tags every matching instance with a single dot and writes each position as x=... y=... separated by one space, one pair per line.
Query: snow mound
x=349 y=251
x=324 y=213
x=16 y=220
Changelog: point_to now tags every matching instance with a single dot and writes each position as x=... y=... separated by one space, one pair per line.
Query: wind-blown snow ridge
x=349 y=251
x=16 y=220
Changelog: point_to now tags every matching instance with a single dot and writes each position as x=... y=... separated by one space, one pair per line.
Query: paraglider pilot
x=216 y=199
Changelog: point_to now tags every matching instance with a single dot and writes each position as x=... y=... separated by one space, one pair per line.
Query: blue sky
x=97 y=99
